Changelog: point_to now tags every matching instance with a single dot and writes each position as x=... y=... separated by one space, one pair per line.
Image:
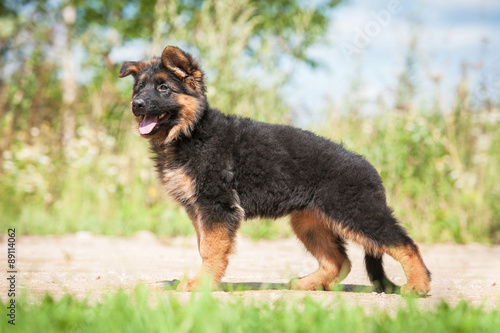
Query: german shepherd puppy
x=224 y=169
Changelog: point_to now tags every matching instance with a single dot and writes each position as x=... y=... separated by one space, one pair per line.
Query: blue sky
x=448 y=34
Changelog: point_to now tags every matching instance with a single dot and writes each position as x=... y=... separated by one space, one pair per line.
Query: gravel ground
x=88 y=265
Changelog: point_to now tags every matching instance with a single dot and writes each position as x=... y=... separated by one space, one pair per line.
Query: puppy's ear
x=129 y=68
x=184 y=66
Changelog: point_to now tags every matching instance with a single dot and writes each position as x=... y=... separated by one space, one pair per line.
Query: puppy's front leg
x=216 y=242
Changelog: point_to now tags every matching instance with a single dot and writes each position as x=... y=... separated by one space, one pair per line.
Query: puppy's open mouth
x=149 y=123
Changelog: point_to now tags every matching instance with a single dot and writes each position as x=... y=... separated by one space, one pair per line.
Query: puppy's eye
x=163 y=87
x=140 y=86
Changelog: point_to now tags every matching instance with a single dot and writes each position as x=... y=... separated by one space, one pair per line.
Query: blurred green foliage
x=438 y=178
x=70 y=161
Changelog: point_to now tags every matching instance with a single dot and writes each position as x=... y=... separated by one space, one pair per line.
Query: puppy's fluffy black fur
x=224 y=169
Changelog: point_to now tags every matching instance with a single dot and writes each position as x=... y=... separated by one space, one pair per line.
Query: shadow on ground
x=248 y=286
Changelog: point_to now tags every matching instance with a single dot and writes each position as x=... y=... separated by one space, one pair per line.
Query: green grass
x=141 y=312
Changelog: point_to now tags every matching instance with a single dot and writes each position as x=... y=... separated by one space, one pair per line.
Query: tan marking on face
x=188 y=116
x=139 y=67
x=150 y=62
x=134 y=68
x=160 y=76
x=138 y=119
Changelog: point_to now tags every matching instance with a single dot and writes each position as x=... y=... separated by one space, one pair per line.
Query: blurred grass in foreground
x=140 y=312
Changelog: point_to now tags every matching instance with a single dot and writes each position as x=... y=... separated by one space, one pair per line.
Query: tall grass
x=439 y=182
x=439 y=178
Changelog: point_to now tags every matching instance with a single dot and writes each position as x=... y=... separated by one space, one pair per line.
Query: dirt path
x=84 y=264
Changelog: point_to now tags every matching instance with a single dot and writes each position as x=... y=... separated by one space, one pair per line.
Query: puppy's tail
x=375 y=269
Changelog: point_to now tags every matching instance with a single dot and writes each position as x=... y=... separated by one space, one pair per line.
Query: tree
x=234 y=39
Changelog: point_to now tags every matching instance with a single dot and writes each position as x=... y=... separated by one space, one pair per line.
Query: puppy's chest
x=175 y=179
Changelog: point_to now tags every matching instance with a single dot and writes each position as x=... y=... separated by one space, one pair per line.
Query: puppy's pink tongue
x=147 y=124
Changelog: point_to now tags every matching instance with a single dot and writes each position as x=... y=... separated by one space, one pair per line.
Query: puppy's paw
x=306 y=283
x=421 y=289
x=188 y=285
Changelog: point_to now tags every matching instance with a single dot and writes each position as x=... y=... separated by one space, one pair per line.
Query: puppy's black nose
x=138 y=105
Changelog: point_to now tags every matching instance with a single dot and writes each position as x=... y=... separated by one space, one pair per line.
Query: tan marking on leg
x=195 y=221
x=417 y=277
x=369 y=245
x=215 y=246
x=322 y=243
x=347 y=233
x=188 y=116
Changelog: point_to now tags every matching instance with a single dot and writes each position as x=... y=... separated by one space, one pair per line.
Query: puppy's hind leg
x=381 y=233
x=376 y=274
x=392 y=239
x=418 y=277
x=325 y=246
